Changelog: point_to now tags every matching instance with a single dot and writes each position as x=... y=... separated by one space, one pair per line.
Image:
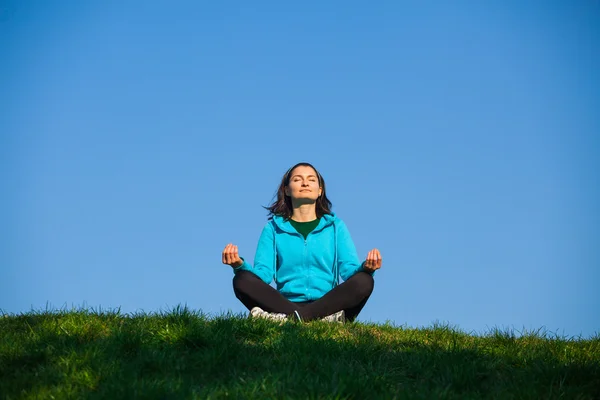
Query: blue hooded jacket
x=304 y=270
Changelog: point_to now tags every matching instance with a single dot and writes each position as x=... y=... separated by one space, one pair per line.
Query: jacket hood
x=286 y=226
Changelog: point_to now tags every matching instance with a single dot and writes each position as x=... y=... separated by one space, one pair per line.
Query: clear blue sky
x=462 y=140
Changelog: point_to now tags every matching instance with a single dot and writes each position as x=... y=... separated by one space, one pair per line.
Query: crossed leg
x=350 y=296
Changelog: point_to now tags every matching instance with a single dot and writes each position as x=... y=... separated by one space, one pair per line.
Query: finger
x=224 y=255
x=370 y=255
x=229 y=253
x=233 y=254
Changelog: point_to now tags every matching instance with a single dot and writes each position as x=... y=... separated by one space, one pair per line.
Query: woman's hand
x=373 y=261
x=231 y=256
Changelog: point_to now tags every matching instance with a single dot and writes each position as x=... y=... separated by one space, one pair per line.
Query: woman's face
x=304 y=184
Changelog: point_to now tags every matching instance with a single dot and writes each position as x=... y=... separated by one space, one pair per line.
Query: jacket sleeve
x=348 y=261
x=264 y=259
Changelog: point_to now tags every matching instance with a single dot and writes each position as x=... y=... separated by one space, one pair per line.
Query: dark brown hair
x=282 y=206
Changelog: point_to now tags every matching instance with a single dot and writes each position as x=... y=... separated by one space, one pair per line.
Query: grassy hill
x=182 y=354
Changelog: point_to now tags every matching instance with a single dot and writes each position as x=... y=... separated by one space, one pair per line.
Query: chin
x=310 y=198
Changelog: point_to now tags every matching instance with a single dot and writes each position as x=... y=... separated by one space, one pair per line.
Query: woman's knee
x=364 y=283
x=242 y=279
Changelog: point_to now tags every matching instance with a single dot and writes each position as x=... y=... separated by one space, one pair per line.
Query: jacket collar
x=286 y=226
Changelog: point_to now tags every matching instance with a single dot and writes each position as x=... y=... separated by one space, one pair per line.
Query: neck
x=304 y=213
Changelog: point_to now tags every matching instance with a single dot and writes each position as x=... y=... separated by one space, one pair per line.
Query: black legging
x=350 y=296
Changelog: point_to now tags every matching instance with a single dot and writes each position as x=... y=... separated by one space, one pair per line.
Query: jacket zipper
x=306 y=265
x=304 y=259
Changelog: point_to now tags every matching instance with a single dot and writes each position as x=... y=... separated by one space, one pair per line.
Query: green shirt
x=304 y=228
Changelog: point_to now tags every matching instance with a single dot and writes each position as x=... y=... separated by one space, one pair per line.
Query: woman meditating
x=305 y=248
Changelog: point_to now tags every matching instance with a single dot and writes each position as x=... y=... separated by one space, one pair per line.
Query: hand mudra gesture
x=373 y=261
x=231 y=257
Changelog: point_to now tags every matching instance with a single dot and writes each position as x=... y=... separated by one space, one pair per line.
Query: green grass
x=182 y=354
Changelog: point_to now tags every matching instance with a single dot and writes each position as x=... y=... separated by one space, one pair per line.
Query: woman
x=304 y=247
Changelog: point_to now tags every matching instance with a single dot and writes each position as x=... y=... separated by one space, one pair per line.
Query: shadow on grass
x=182 y=355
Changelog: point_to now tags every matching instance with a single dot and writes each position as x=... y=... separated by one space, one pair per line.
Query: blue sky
x=463 y=141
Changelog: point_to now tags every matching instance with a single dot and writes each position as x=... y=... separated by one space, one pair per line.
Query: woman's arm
x=264 y=259
x=348 y=261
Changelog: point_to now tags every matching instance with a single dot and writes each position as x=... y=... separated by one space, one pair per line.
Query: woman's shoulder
x=332 y=218
x=339 y=223
x=277 y=223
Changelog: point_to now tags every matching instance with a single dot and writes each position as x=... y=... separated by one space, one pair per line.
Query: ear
x=286 y=190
